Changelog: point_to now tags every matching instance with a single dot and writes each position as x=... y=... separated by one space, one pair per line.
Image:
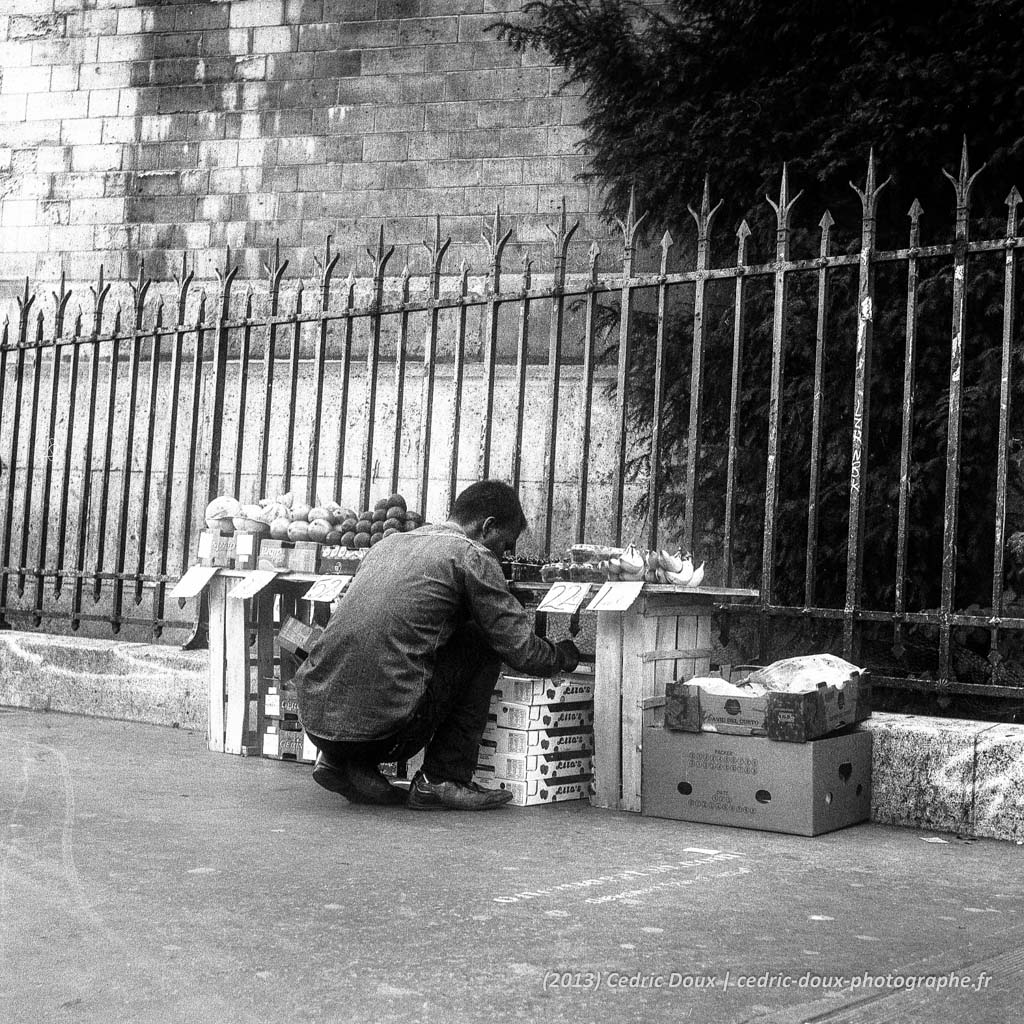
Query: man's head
x=489 y=512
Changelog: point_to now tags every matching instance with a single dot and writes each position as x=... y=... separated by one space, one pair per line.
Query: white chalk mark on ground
x=820 y=917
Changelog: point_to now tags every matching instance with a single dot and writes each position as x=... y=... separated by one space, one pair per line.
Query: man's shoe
x=357 y=782
x=454 y=796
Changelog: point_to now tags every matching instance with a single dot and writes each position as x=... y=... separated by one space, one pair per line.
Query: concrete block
x=246 y=13
x=923 y=771
x=999 y=783
x=109 y=679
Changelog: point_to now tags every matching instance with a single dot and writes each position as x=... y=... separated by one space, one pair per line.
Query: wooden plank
x=608 y=711
x=236 y=651
x=215 y=728
x=701 y=640
x=264 y=657
x=633 y=670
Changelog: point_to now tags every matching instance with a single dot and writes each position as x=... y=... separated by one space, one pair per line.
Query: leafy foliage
x=732 y=88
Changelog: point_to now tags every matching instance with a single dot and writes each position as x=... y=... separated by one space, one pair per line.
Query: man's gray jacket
x=369 y=669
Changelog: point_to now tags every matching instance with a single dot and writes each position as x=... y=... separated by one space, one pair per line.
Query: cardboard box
x=289 y=555
x=290 y=744
x=216 y=549
x=751 y=782
x=281 y=703
x=528 y=794
x=694 y=706
x=339 y=561
x=297 y=637
x=247 y=549
x=536 y=741
x=544 y=716
x=536 y=766
x=568 y=687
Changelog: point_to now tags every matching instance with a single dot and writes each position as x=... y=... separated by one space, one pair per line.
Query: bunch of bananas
x=653 y=567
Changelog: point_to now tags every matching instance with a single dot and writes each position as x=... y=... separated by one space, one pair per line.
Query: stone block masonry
x=370 y=109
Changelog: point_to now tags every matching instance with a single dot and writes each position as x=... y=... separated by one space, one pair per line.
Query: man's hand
x=568 y=655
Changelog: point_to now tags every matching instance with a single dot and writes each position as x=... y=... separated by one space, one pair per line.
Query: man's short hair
x=489 y=498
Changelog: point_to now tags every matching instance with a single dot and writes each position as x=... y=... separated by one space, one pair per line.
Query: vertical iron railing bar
x=275 y=273
x=220 y=372
x=437 y=251
x=244 y=354
x=458 y=381
x=69 y=438
x=380 y=261
x=700 y=307
x=561 y=237
x=25 y=303
x=7 y=466
x=346 y=380
x=85 y=498
x=522 y=350
x=907 y=432
x=30 y=463
x=779 y=310
x=817 y=404
x=495 y=243
x=629 y=229
x=1013 y=200
x=195 y=410
x=860 y=428
x=101 y=507
x=587 y=393
x=401 y=358
x=735 y=397
x=139 y=291
x=319 y=370
x=61 y=299
x=654 y=478
x=164 y=532
x=293 y=392
x=962 y=187
x=142 y=551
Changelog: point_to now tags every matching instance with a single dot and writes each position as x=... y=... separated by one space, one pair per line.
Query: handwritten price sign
x=615 y=597
x=327 y=588
x=564 y=598
x=252 y=584
x=194 y=580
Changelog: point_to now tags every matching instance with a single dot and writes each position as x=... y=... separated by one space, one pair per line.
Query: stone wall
x=133 y=132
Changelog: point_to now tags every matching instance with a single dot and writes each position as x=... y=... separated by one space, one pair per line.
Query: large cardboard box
x=697 y=705
x=568 y=687
x=752 y=782
x=536 y=741
x=543 y=716
x=536 y=766
x=528 y=794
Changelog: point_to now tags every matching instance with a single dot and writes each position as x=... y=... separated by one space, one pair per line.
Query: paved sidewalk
x=144 y=879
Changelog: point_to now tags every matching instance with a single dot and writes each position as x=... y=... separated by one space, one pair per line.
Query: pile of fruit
x=330 y=522
x=588 y=563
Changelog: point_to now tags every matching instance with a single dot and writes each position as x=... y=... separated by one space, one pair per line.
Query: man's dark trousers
x=448 y=721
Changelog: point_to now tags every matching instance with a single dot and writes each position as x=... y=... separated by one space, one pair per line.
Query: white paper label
x=616 y=597
x=244 y=543
x=252 y=584
x=564 y=597
x=193 y=582
x=205 y=544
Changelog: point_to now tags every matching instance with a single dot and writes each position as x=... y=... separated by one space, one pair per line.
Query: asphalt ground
x=145 y=879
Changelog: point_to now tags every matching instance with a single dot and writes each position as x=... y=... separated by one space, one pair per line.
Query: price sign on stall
x=253 y=583
x=192 y=583
x=615 y=597
x=564 y=598
x=327 y=588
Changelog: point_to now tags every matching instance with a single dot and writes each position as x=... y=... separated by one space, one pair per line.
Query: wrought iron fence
x=117 y=429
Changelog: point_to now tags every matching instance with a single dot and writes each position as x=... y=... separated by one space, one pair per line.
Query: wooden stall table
x=664 y=635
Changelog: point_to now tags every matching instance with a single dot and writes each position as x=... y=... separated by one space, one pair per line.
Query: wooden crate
x=661 y=638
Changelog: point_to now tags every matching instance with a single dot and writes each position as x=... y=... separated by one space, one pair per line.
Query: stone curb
x=937 y=774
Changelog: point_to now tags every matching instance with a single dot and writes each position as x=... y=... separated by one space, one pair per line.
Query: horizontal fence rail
x=626 y=405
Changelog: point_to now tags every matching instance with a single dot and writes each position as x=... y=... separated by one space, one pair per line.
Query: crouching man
x=410 y=657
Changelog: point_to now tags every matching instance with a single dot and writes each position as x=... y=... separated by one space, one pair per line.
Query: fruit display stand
x=663 y=635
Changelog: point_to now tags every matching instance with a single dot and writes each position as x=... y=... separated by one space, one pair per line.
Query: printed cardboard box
x=704 y=705
x=247 y=549
x=544 y=716
x=339 y=561
x=536 y=766
x=297 y=637
x=749 y=781
x=536 y=741
x=216 y=549
x=528 y=794
x=289 y=556
x=288 y=743
x=573 y=687
x=281 y=703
